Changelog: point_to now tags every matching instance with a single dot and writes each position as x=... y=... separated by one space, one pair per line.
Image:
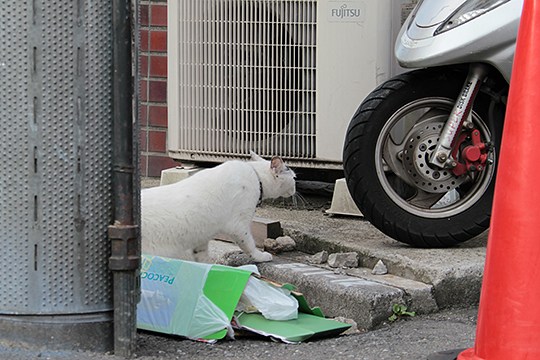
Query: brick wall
x=153 y=87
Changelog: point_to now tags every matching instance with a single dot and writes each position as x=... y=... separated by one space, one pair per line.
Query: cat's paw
x=261 y=256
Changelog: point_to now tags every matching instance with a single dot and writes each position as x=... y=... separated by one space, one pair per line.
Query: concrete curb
x=367 y=302
x=455 y=273
x=425 y=280
x=351 y=293
x=453 y=285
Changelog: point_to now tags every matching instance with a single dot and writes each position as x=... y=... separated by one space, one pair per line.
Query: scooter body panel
x=489 y=38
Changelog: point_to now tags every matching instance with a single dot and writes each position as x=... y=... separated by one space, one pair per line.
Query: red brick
x=155 y=66
x=158 y=15
x=143 y=144
x=143 y=112
x=158 y=91
x=143 y=88
x=157 y=141
x=158 y=40
x=158 y=66
x=143 y=15
x=142 y=165
x=143 y=65
x=157 y=163
x=157 y=116
x=153 y=115
x=143 y=38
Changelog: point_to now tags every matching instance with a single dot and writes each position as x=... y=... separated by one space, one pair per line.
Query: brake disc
x=420 y=144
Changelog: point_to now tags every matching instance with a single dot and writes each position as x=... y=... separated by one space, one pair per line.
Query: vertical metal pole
x=125 y=255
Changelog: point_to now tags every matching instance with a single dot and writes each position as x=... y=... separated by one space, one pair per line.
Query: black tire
x=389 y=202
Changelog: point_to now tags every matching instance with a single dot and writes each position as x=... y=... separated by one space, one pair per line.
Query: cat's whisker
x=299 y=196
x=293 y=201
x=298 y=200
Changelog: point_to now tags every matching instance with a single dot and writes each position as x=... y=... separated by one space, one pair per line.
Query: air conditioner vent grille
x=247 y=77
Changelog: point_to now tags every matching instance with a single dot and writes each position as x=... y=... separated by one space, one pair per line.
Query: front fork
x=445 y=152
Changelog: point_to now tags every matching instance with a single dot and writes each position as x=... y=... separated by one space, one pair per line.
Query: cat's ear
x=277 y=165
x=255 y=157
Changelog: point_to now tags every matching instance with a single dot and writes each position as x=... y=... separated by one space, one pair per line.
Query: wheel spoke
x=416 y=118
x=433 y=114
x=391 y=158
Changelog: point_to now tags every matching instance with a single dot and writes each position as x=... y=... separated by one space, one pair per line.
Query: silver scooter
x=420 y=153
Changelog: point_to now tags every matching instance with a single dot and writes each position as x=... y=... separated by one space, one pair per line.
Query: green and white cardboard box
x=199 y=301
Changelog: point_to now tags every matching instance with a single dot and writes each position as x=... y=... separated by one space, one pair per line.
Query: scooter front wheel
x=386 y=160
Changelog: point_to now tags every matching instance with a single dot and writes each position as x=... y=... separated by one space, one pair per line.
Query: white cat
x=179 y=220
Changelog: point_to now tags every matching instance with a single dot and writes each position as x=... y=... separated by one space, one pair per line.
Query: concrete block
x=319 y=258
x=342 y=202
x=176 y=174
x=226 y=253
x=341 y=260
x=379 y=268
x=261 y=229
x=366 y=302
x=419 y=296
x=281 y=244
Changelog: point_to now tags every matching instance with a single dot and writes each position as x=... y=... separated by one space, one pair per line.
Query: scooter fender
x=489 y=38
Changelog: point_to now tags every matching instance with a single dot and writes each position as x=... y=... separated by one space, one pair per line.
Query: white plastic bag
x=272 y=302
x=208 y=319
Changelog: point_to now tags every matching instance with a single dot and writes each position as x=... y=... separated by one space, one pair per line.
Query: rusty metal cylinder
x=55 y=174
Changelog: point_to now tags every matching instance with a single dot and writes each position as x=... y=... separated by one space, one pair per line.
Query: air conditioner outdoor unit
x=280 y=77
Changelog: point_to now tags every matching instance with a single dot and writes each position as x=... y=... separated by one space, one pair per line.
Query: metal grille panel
x=247 y=77
x=16 y=108
x=96 y=150
x=55 y=197
x=57 y=98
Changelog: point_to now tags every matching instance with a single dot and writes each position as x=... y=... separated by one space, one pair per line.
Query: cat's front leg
x=261 y=256
x=246 y=242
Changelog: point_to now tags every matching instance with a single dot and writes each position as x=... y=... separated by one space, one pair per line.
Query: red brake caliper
x=473 y=157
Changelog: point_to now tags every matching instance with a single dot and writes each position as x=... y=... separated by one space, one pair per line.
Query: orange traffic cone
x=508 y=320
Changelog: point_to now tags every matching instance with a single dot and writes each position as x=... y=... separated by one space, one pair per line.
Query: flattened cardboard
x=306 y=327
x=171 y=289
x=224 y=286
x=171 y=293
